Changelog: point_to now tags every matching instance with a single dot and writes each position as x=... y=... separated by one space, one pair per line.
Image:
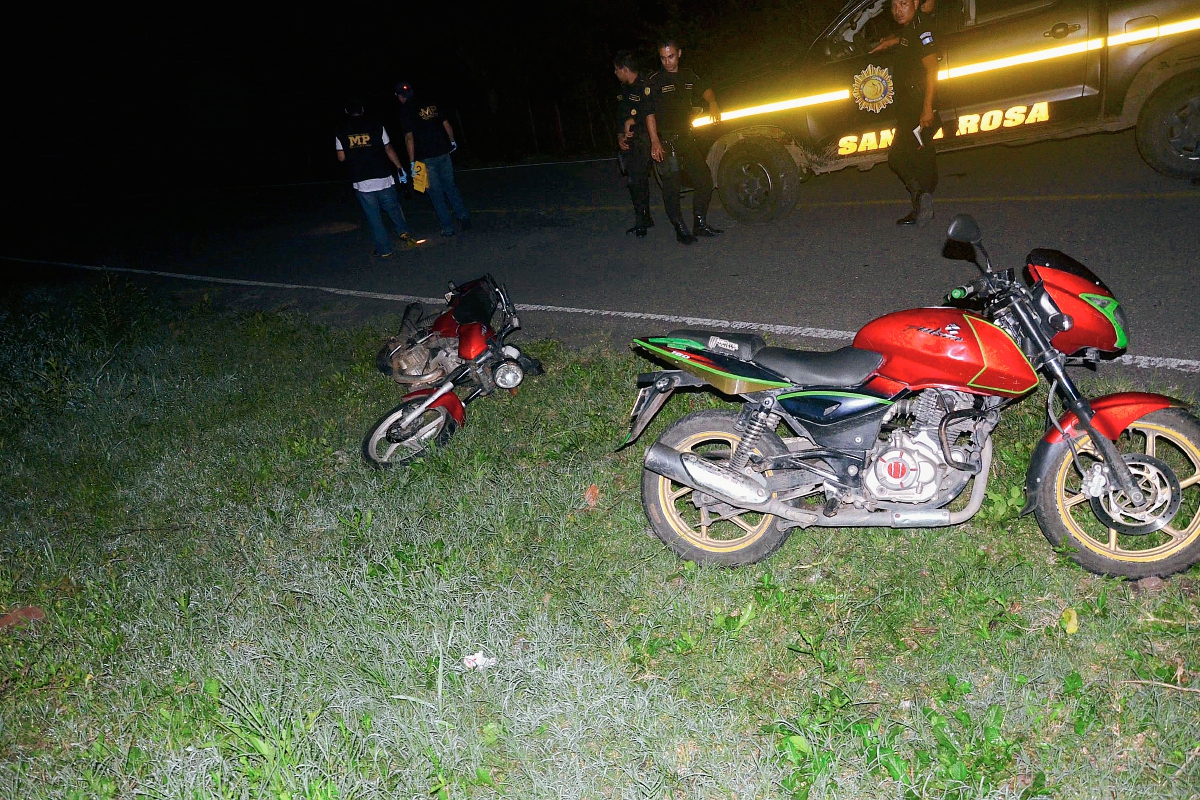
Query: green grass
x=238 y=607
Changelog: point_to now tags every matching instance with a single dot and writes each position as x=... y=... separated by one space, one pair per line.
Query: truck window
x=981 y=12
x=862 y=31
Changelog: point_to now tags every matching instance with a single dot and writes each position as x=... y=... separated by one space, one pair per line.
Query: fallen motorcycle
x=890 y=431
x=460 y=350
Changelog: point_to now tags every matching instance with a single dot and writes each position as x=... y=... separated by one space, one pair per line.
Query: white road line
x=1140 y=362
x=788 y=330
x=1155 y=362
x=456 y=169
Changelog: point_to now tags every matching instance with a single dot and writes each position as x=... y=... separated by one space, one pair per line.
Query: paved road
x=555 y=235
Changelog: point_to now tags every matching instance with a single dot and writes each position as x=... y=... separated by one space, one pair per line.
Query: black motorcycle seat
x=741 y=346
x=848 y=366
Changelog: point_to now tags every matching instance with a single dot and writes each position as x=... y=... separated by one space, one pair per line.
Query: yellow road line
x=1025 y=198
x=1028 y=198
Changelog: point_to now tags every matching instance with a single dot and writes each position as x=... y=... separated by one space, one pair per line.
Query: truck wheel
x=1168 y=130
x=758 y=181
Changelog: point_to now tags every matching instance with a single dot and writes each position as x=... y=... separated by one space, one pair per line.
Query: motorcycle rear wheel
x=732 y=538
x=387 y=444
x=1161 y=538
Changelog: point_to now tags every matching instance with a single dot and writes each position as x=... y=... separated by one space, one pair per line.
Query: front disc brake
x=1160 y=486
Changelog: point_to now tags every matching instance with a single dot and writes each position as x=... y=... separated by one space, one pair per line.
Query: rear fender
x=448 y=401
x=654 y=389
x=1113 y=413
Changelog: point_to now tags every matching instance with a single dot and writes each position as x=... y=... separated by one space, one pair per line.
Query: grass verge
x=238 y=607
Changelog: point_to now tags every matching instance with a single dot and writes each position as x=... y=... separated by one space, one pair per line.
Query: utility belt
x=639 y=149
x=670 y=162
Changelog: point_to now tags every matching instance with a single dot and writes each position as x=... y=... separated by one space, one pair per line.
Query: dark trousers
x=913 y=164
x=684 y=154
x=637 y=165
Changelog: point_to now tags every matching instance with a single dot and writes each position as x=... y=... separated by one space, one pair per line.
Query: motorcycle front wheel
x=708 y=532
x=389 y=444
x=1109 y=535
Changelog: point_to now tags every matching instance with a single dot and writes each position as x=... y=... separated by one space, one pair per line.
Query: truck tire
x=1168 y=129
x=758 y=181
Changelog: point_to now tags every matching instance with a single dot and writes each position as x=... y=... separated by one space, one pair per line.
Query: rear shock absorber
x=764 y=419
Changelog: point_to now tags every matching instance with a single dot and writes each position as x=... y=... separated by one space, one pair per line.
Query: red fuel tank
x=946 y=347
x=472 y=340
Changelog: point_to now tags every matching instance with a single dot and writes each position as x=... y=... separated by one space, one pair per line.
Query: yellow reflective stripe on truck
x=785 y=105
x=1047 y=54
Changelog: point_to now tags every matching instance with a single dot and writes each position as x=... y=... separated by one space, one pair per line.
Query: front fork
x=432 y=399
x=1052 y=363
x=1083 y=411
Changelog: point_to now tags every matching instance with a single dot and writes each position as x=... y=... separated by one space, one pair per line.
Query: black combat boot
x=914 y=191
x=701 y=228
x=924 y=209
x=681 y=233
x=641 y=221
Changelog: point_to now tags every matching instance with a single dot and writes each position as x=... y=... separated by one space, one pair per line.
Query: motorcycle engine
x=909 y=466
x=419 y=363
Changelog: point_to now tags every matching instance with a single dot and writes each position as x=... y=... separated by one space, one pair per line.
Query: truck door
x=860 y=127
x=1016 y=63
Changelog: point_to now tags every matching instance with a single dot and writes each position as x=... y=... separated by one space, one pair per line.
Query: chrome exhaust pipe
x=727 y=485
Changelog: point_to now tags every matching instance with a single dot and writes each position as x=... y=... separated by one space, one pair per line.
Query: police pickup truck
x=1010 y=71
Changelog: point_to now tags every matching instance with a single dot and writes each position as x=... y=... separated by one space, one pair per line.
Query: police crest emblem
x=647 y=91
x=873 y=89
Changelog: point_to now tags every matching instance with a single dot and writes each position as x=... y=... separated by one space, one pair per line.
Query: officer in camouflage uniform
x=632 y=140
x=674 y=90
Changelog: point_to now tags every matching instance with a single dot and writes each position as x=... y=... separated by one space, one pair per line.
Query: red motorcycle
x=461 y=349
x=890 y=431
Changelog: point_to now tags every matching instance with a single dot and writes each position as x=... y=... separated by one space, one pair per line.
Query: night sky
x=137 y=96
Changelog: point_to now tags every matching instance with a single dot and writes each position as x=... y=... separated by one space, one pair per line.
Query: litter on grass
x=479 y=661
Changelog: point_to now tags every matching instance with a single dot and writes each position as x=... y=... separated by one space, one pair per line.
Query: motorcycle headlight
x=508 y=374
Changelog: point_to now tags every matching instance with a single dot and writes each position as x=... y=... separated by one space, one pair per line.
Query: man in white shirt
x=364 y=146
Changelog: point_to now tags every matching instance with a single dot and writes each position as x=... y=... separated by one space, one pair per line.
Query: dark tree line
x=252 y=95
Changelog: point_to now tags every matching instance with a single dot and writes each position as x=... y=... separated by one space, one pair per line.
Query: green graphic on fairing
x=1110 y=308
x=669 y=342
x=844 y=395
x=726 y=382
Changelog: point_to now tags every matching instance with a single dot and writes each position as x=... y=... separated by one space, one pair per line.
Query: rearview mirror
x=964 y=228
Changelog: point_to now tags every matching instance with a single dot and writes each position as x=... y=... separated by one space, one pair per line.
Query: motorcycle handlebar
x=985 y=286
x=960 y=293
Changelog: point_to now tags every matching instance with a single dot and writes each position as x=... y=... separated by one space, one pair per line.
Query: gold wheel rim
x=1085 y=528
x=701 y=535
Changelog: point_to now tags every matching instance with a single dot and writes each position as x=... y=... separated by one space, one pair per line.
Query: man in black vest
x=632 y=140
x=429 y=138
x=674 y=90
x=364 y=146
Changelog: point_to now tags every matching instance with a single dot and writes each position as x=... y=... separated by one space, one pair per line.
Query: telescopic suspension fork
x=1048 y=360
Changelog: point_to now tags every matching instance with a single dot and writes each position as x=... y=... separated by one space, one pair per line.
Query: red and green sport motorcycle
x=891 y=431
